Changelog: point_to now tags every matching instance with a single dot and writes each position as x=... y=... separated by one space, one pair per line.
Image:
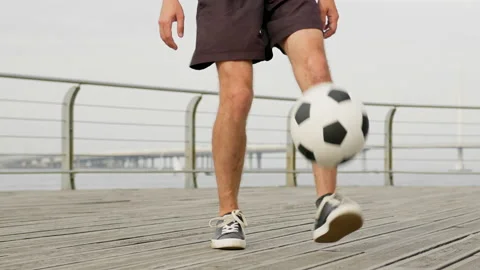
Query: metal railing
x=68 y=170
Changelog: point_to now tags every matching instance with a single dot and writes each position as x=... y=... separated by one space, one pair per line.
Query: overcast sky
x=384 y=51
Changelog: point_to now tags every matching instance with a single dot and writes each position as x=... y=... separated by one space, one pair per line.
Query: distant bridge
x=164 y=159
x=172 y=159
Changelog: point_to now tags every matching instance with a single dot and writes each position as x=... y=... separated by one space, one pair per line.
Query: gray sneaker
x=230 y=231
x=336 y=217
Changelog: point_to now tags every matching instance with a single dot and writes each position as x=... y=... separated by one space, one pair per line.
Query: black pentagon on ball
x=339 y=95
x=334 y=133
x=303 y=113
x=365 y=125
x=306 y=153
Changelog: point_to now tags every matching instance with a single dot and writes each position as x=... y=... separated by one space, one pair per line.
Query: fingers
x=329 y=17
x=166 y=33
x=180 y=24
x=331 y=27
x=166 y=29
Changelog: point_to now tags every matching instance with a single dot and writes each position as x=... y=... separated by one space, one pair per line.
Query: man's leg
x=336 y=216
x=306 y=52
x=229 y=131
x=229 y=141
x=295 y=27
x=233 y=43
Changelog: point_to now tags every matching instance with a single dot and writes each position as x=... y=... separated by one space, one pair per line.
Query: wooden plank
x=414 y=230
x=185 y=243
x=13 y=234
x=169 y=249
x=446 y=255
x=206 y=256
x=401 y=249
x=469 y=263
x=223 y=261
x=144 y=229
x=36 y=223
x=305 y=260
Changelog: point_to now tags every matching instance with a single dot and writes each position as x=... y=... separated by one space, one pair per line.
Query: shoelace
x=232 y=217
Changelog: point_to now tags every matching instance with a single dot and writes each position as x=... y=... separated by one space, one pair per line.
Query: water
x=144 y=181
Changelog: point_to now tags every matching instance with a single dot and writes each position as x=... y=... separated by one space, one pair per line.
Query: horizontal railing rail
x=68 y=156
x=205 y=92
x=197 y=171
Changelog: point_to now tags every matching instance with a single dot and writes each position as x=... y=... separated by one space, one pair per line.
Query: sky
x=420 y=52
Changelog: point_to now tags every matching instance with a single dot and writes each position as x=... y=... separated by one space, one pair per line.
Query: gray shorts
x=248 y=29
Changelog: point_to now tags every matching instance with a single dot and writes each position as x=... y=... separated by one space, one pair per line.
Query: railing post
x=460 y=166
x=291 y=176
x=68 y=179
x=364 y=159
x=389 y=147
x=190 y=153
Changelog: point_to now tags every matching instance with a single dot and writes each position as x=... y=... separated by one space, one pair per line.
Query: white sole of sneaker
x=342 y=222
x=228 y=244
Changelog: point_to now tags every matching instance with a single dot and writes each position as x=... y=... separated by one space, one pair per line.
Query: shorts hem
x=204 y=60
x=291 y=29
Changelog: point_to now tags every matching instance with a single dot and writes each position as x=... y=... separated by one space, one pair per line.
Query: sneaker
x=336 y=217
x=230 y=231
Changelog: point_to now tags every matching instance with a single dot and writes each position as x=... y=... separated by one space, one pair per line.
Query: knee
x=236 y=102
x=306 y=51
x=312 y=69
x=236 y=93
x=316 y=65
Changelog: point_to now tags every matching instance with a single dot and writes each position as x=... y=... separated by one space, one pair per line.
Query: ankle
x=226 y=211
x=320 y=198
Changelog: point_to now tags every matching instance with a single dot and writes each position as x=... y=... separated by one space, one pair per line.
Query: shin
x=306 y=52
x=229 y=131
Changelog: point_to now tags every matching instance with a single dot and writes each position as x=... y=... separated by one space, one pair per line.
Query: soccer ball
x=328 y=126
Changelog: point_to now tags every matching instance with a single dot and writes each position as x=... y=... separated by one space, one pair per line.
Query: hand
x=171 y=12
x=328 y=10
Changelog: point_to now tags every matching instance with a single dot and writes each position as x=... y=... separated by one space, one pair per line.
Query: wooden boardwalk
x=405 y=228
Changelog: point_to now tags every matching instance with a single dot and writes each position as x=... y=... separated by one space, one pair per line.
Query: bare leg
x=229 y=131
x=306 y=51
x=336 y=215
